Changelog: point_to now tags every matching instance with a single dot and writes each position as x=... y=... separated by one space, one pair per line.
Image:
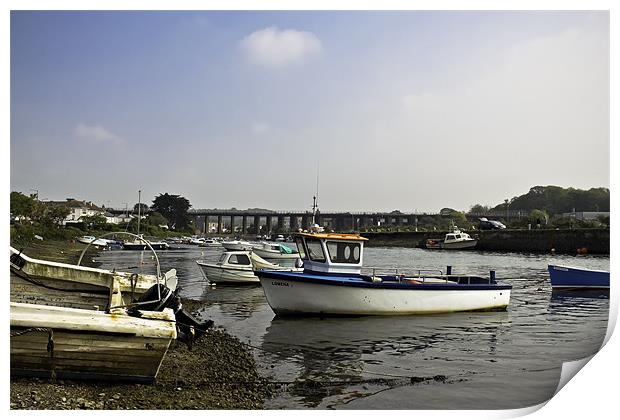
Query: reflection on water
x=237 y=301
x=483 y=360
x=576 y=296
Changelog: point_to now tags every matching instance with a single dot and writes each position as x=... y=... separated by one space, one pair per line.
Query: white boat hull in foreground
x=56 y=342
x=291 y=296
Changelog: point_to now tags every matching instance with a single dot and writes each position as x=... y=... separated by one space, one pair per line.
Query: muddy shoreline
x=219 y=372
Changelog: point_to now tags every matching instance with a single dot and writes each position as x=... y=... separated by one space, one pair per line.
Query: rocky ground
x=219 y=372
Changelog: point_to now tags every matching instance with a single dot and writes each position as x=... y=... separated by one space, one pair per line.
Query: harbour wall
x=564 y=241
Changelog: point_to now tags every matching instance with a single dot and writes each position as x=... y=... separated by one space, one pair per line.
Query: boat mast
x=139 y=205
x=313 y=208
x=314 y=205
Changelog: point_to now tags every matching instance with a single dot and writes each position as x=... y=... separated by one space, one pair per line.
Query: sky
x=407 y=110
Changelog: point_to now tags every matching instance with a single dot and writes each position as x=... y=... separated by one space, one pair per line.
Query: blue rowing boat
x=563 y=277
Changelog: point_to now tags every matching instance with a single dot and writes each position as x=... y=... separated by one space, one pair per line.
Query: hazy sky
x=400 y=110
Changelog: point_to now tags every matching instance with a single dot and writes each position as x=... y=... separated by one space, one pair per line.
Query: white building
x=79 y=209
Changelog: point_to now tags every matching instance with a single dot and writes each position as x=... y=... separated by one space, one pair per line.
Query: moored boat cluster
x=71 y=321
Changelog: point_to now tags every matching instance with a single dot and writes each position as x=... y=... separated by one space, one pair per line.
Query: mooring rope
x=50 y=338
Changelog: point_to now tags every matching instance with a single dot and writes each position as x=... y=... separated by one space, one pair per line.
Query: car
x=486 y=224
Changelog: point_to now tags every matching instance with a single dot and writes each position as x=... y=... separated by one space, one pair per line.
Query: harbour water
x=486 y=360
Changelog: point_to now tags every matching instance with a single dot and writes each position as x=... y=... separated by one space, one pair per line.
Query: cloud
x=96 y=134
x=259 y=127
x=275 y=48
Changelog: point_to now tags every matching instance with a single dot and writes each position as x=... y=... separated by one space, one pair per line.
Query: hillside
x=556 y=200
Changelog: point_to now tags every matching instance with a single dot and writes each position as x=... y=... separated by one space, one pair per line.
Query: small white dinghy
x=93 y=240
x=456 y=239
x=237 y=267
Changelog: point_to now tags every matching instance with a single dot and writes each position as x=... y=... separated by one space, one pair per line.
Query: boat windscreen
x=315 y=250
x=301 y=248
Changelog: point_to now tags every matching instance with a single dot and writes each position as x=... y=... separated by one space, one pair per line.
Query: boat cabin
x=331 y=252
x=457 y=236
x=239 y=259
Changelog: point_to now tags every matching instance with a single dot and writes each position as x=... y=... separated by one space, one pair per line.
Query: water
x=487 y=360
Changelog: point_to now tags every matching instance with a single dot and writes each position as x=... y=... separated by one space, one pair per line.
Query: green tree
x=557 y=200
x=539 y=217
x=22 y=205
x=49 y=214
x=143 y=208
x=96 y=221
x=478 y=209
x=57 y=214
x=174 y=208
x=156 y=219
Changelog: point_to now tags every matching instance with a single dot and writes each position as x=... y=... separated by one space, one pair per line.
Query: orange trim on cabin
x=344 y=236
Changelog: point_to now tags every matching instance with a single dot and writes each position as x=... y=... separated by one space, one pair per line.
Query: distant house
x=82 y=208
x=77 y=209
x=115 y=220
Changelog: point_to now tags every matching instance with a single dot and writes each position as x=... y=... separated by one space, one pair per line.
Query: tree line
x=29 y=216
x=554 y=200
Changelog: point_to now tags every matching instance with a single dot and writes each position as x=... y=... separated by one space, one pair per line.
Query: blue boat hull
x=577 y=278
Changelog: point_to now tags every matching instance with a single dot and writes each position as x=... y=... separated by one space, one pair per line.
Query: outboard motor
x=188 y=327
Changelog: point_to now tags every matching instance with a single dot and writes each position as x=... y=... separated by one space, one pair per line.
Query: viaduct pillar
x=294 y=223
x=257 y=224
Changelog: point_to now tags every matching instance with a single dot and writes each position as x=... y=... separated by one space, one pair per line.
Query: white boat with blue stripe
x=332 y=283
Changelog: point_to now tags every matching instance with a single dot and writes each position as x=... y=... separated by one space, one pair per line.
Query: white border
x=592 y=393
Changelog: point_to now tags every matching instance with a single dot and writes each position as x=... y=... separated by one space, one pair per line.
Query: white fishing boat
x=237 y=245
x=237 y=267
x=332 y=283
x=275 y=251
x=456 y=239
